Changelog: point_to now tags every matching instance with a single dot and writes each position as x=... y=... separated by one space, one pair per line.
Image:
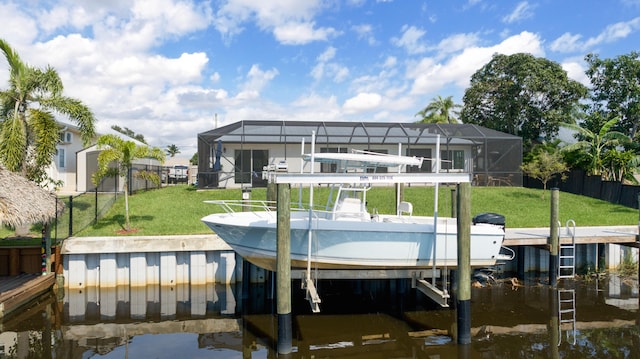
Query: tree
x=130 y=133
x=29 y=131
x=172 y=150
x=123 y=153
x=194 y=159
x=440 y=110
x=620 y=165
x=616 y=89
x=544 y=165
x=521 y=95
x=593 y=145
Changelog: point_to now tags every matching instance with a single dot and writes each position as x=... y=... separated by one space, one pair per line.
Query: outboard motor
x=489 y=218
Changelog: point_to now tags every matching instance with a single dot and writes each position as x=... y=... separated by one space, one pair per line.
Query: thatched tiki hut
x=23 y=203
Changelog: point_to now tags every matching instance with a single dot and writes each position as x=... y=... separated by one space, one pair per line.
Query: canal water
x=588 y=318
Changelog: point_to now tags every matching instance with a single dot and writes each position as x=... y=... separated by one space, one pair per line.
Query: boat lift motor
x=489 y=218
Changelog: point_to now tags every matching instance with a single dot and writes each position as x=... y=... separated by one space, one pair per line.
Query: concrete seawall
x=148 y=260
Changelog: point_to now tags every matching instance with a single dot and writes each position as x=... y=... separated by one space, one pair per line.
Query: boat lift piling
x=463 y=290
x=553 y=241
x=283 y=269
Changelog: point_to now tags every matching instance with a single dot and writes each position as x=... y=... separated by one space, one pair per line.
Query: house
x=235 y=155
x=74 y=164
x=63 y=167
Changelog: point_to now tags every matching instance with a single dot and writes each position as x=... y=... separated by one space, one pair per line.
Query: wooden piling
x=454 y=202
x=463 y=300
x=283 y=270
x=554 y=324
x=271 y=191
x=553 y=238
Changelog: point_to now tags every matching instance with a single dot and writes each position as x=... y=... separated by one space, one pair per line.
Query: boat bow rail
x=233 y=206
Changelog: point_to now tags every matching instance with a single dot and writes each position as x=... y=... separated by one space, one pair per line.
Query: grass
x=178 y=209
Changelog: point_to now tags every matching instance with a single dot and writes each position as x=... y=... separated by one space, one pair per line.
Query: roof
x=257 y=131
x=23 y=202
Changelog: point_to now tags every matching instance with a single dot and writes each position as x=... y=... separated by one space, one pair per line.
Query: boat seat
x=405 y=207
x=351 y=209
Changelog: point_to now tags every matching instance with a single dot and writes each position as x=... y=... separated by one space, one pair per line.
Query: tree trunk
x=127 y=226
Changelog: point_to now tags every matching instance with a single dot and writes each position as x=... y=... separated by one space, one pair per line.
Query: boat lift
x=308 y=277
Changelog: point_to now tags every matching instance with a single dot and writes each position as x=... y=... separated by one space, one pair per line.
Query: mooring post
x=271 y=189
x=553 y=238
x=554 y=323
x=283 y=269
x=454 y=200
x=463 y=301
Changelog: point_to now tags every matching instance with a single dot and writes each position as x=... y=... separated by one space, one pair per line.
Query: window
x=248 y=166
x=331 y=167
x=378 y=169
x=452 y=160
x=66 y=137
x=60 y=157
x=426 y=163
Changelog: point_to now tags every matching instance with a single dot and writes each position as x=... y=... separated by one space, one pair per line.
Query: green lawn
x=178 y=209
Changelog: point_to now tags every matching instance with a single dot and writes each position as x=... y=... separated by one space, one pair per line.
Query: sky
x=170 y=69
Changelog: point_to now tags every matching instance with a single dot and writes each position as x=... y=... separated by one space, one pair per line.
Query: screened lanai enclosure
x=234 y=156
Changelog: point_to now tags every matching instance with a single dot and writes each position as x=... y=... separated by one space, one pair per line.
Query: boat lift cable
x=310 y=238
x=435 y=210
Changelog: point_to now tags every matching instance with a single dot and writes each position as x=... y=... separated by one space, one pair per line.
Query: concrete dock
x=625 y=235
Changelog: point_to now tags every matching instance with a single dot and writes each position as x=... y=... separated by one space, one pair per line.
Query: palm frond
x=13 y=142
x=79 y=113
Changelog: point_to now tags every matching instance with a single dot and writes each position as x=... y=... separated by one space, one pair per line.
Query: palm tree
x=123 y=153
x=595 y=144
x=440 y=110
x=172 y=150
x=29 y=131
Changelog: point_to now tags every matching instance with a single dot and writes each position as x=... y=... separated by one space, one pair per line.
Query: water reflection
x=372 y=319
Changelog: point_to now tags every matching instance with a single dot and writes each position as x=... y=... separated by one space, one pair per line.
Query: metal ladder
x=567 y=253
x=567 y=314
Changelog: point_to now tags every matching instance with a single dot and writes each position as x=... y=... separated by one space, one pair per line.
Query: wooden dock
x=625 y=235
x=16 y=291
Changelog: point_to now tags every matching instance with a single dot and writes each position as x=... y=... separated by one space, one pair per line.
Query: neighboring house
x=235 y=155
x=73 y=164
x=63 y=166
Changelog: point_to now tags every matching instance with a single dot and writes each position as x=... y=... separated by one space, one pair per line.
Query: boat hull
x=389 y=243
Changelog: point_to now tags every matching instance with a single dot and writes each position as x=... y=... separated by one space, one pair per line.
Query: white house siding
x=67 y=172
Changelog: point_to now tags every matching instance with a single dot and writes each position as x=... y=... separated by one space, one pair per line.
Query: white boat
x=344 y=234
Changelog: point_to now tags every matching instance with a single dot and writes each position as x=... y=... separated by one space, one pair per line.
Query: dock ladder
x=567 y=315
x=567 y=253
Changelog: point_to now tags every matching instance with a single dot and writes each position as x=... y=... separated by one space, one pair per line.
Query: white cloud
x=573 y=42
x=523 y=10
x=290 y=21
x=567 y=43
x=327 y=55
x=325 y=68
x=575 y=69
x=365 y=32
x=17 y=27
x=429 y=75
x=362 y=102
x=257 y=79
x=298 y=33
x=614 y=32
x=411 y=40
x=457 y=42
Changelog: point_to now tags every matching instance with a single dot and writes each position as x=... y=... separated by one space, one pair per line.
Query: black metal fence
x=84 y=209
x=578 y=182
x=81 y=211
